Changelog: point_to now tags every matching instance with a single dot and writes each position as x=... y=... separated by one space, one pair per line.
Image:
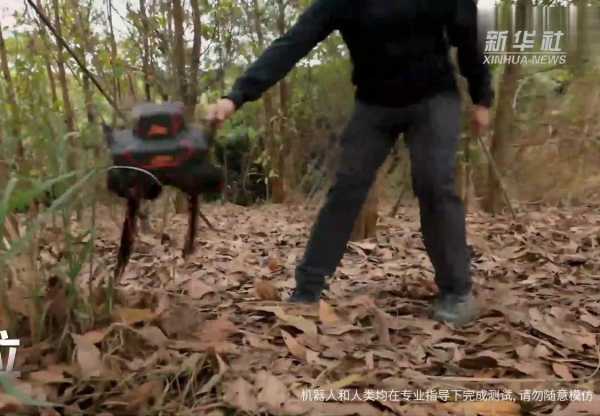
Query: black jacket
x=399 y=49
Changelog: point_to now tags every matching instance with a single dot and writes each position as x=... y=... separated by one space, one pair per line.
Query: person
x=404 y=83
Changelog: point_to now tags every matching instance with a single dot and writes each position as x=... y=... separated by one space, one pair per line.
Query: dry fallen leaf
x=132 y=316
x=490 y=408
x=178 y=320
x=216 y=330
x=89 y=358
x=187 y=346
x=533 y=369
x=327 y=314
x=197 y=288
x=265 y=290
x=96 y=336
x=153 y=335
x=562 y=370
x=298 y=350
x=303 y=324
x=273 y=265
x=272 y=393
x=366 y=246
x=50 y=376
x=346 y=381
x=590 y=319
x=479 y=362
x=382 y=326
x=239 y=394
x=9 y=404
x=142 y=396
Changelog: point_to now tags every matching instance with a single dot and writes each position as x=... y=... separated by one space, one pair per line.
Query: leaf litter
x=211 y=335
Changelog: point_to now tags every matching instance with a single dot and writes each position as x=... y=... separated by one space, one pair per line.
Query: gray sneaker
x=458 y=310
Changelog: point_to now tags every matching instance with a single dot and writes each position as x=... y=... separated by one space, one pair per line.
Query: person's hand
x=220 y=111
x=480 y=119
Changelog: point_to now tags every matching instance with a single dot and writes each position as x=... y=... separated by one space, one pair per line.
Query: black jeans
x=431 y=128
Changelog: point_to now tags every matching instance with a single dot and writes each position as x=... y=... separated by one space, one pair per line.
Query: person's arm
x=463 y=33
x=314 y=25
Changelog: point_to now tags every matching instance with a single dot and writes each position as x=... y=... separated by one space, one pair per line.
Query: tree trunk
x=504 y=131
x=113 y=58
x=51 y=81
x=365 y=225
x=180 y=76
x=132 y=91
x=192 y=93
x=280 y=142
x=62 y=75
x=88 y=96
x=267 y=99
x=146 y=50
x=179 y=50
x=221 y=70
x=47 y=61
x=84 y=31
x=581 y=59
x=11 y=97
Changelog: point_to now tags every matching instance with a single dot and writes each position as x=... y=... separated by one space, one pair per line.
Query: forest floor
x=210 y=335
